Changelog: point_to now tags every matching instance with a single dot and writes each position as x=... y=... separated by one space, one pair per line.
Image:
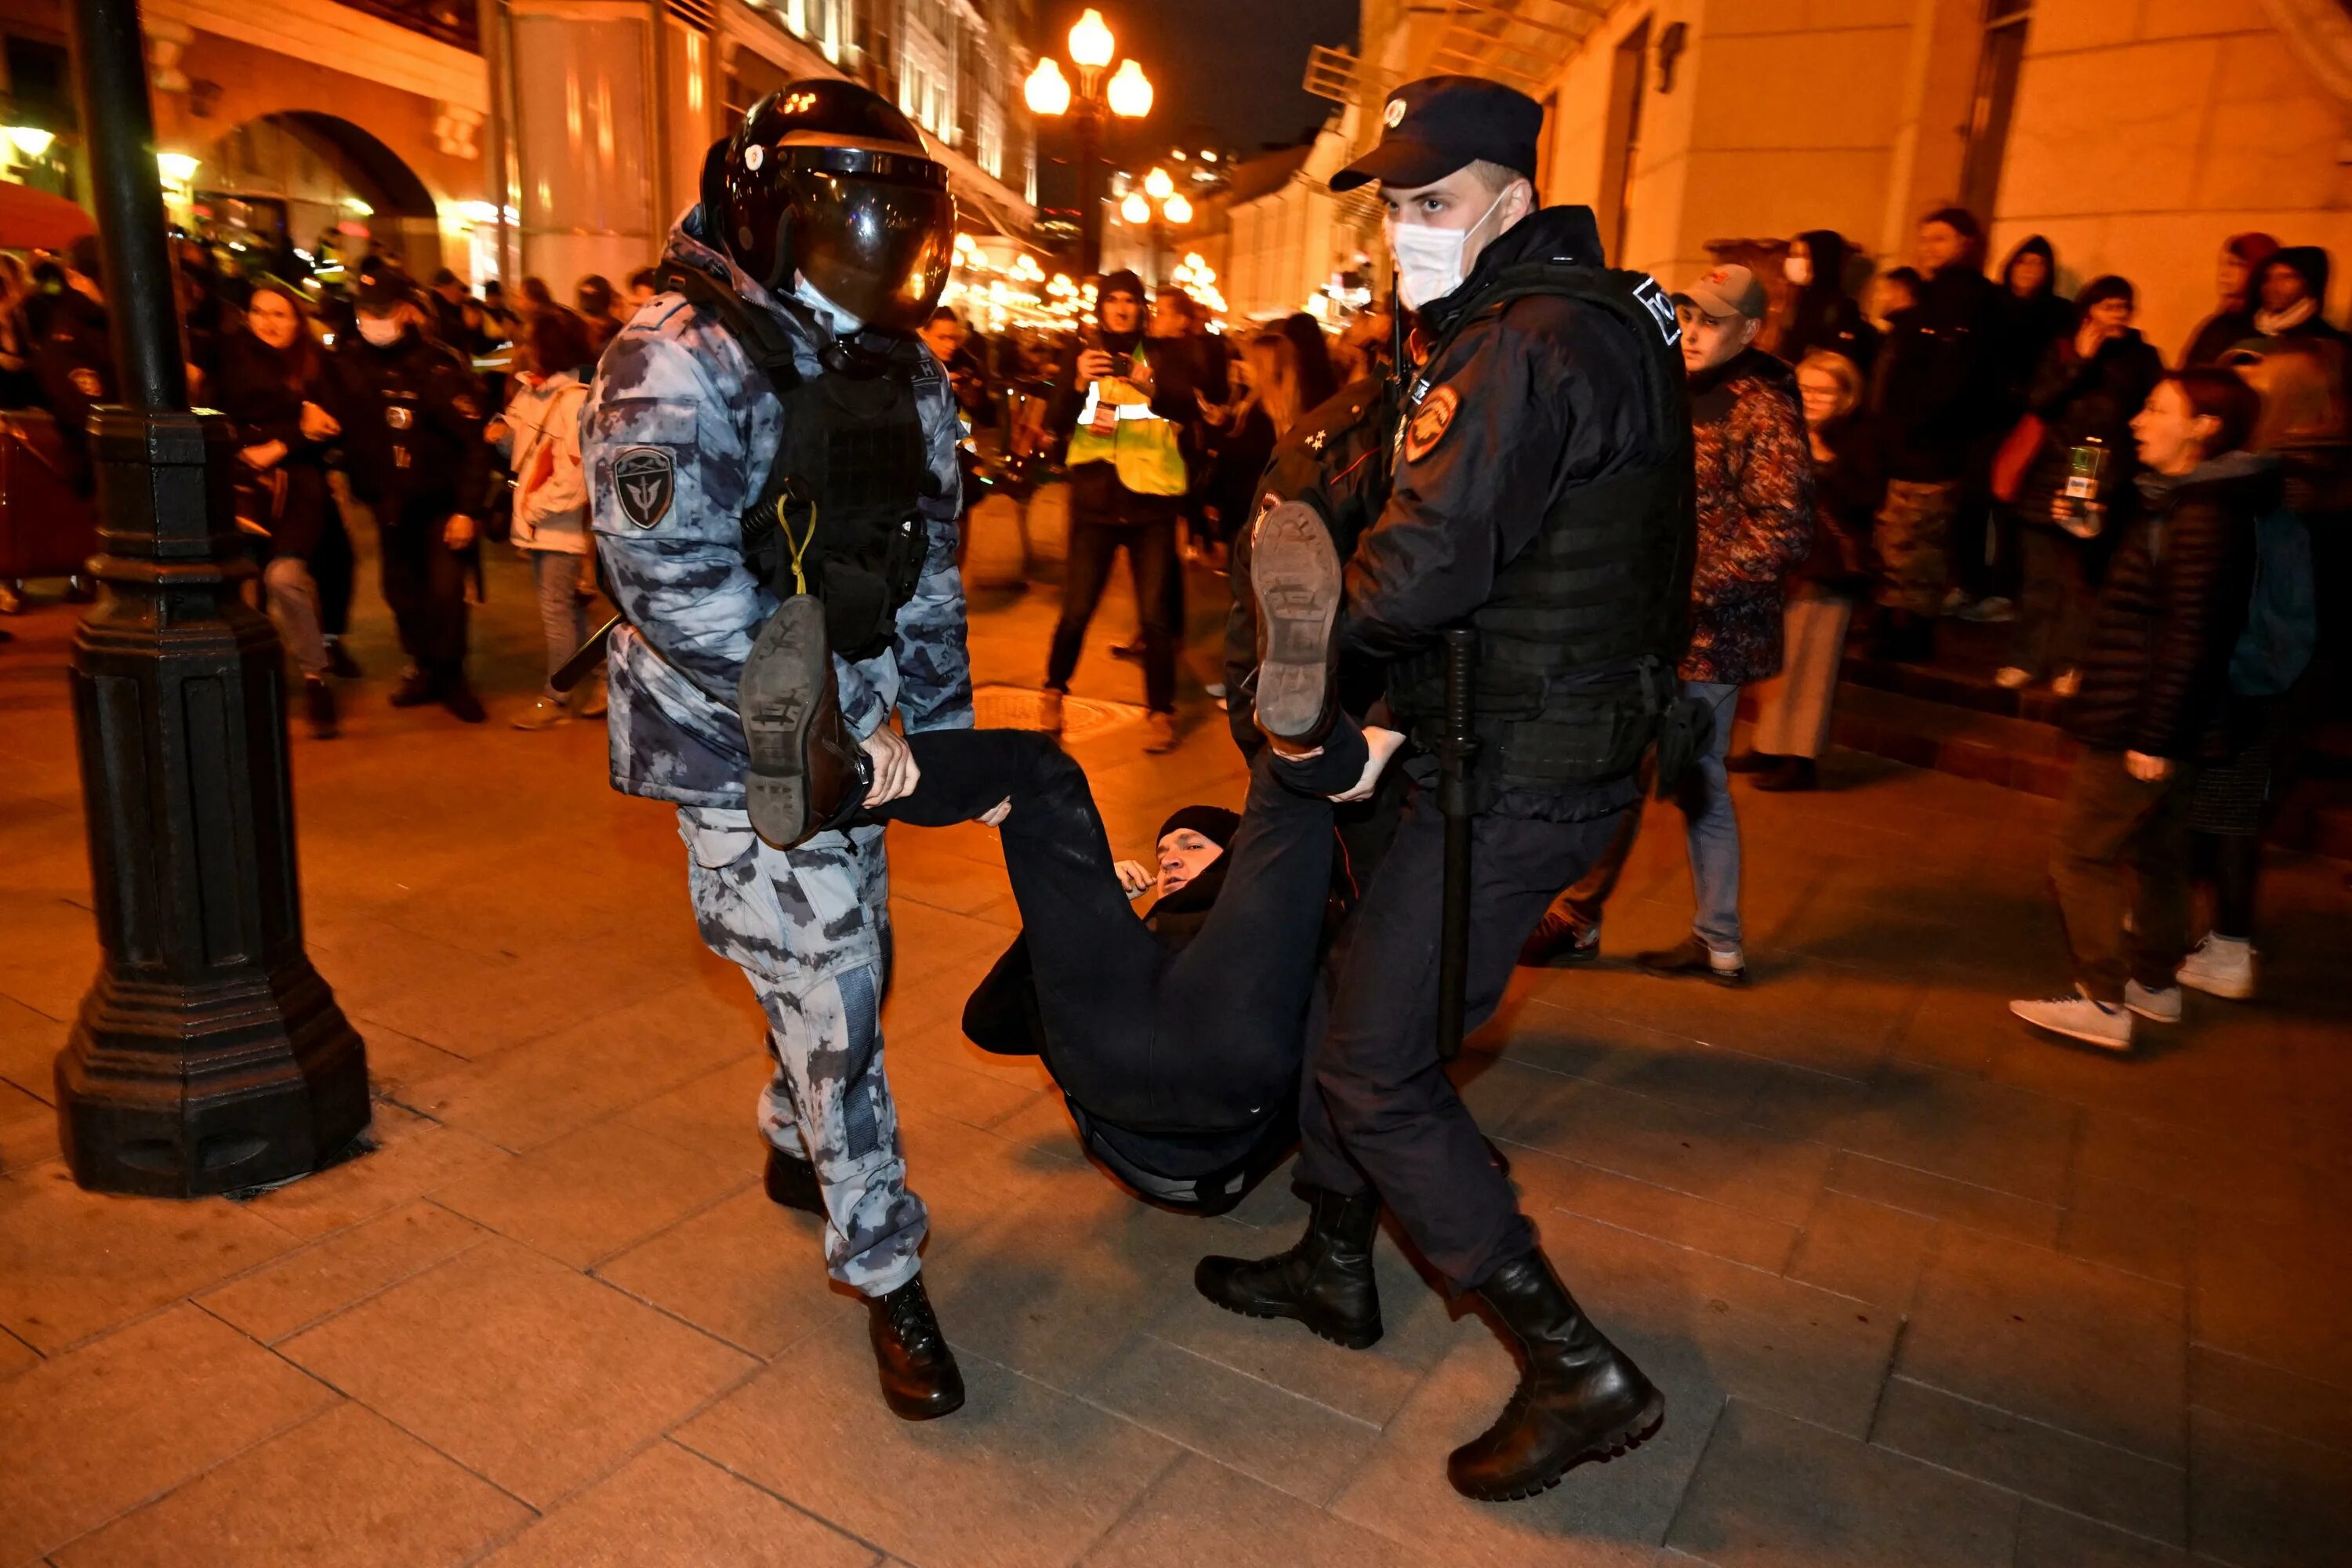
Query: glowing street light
x=1134 y=209
x=1178 y=210
x=1125 y=93
x=1157 y=186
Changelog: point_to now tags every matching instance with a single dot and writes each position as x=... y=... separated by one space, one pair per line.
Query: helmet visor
x=874 y=233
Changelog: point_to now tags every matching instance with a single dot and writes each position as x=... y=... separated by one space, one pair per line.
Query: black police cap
x=383 y=285
x=1441 y=123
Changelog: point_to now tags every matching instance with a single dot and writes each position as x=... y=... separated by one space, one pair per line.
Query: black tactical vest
x=1578 y=642
x=837 y=515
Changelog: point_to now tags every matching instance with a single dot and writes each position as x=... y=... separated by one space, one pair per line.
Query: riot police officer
x=1542 y=495
x=771 y=466
x=410 y=418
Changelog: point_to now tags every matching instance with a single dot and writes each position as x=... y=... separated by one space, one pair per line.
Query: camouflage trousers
x=809 y=929
x=1914 y=543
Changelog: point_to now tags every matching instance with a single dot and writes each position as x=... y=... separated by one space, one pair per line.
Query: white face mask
x=382 y=331
x=1797 y=269
x=1429 y=260
x=837 y=321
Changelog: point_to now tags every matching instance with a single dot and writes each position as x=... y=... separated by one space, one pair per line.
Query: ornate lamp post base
x=209 y=1055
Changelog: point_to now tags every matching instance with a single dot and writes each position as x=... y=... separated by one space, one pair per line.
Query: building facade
x=554 y=137
x=2136 y=134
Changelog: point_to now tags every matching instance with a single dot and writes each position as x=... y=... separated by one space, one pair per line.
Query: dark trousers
x=2054 y=611
x=424 y=585
x=333 y=568
x=2108 y=820
x=1154 y=1039
x=1376 y=1106
x=1151 y=564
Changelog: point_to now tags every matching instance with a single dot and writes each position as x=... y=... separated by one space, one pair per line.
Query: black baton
x=591 y=654
x=1456 y=749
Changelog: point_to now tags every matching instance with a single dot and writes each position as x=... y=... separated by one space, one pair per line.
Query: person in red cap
x=1541 y=495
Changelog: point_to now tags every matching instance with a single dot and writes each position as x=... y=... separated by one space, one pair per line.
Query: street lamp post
x=1124 y=93
x=1158 y=206
x=208 y=1055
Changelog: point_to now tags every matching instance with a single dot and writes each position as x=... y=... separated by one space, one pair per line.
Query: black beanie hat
x=1122 y=282
x=1213 y=823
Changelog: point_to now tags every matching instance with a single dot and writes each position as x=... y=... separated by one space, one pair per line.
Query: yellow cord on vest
x=799 y=547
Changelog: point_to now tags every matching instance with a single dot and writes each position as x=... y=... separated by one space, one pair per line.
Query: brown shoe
x=1295 y=573
x=1159 y=733
x=807 y=773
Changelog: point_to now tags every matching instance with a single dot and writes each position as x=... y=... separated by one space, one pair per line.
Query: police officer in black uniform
x=1542 y=494
x=74 y=361
x=411 y=418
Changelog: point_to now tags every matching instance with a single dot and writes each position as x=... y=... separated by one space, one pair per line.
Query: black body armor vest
x=837 y=516
x=1578 y=642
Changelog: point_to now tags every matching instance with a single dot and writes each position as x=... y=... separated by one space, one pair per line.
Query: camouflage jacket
x=680 y=412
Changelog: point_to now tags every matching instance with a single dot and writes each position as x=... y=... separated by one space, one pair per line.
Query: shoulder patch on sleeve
x=1430 y=423
x=645 y=480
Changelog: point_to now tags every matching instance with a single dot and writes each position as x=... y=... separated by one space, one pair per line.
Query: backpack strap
x=756 y=331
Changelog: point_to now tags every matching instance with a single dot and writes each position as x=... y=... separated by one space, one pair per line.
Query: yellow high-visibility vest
x=1142 y=443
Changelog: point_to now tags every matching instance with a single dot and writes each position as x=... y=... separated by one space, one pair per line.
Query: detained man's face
x=1183 y=856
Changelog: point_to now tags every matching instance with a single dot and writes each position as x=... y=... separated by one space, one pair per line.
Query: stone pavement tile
x=535 y=1092
x=50 y=956
x=397 y=1064
x=2223 y=1071
x=2069 y=1343
x=1199 y=1512
x=2144 y=1496
x=1940 y=1198
x=1819 y=1016
x=1060 y=1286
x=1961 y=1030
x=1862 y=1249
x=1600 y=1514
x=1773 y=1492
x=519 y=1368
x=1634 y=1057
x=1652 y=1141
x=346 y=1491
x=2049 y=1538
x=670 y=1509
x=2248 y=1391
x=744 y=1269
x=1548 y=1182
x=413 y=1154
x=15 y=1356
x=1021 y=1476
x=1042 y=1129
x=1418 y=1331
x=280 y=1298
x=933 y=1080
x=592 y=1192
x=88 y=1433
x=969 y=1178
x=1292 y=1444
x=2243 y=1175
x=77 y=1263
x=28 y=1143
x=29 y=1047
x=2127 y=1228
x=1805 y=1351
x=716 y=1114
x=1799 y=1106
x=2259 y=1499
x=2258 y=1290
x=1964 y=1127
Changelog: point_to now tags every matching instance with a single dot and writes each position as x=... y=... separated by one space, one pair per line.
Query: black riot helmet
x=827 y=179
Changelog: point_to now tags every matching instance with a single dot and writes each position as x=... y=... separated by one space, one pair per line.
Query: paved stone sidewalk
x=1921 y=1288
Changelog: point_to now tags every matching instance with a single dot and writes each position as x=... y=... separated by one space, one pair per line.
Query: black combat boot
x=1324 y=1282
x=791 y=1182
x=1295 y=573
x=808 y=772
x=318 y=704
x=920 y=1380
x=1580 y=1397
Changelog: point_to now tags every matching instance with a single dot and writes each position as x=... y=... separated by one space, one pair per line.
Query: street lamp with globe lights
x=1156 y=205
x=1125 y=93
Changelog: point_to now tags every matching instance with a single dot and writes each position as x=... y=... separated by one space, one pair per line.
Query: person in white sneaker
x=539 y=433
x=2155 y=679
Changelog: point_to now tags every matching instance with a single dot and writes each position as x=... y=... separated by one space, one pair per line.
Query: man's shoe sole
x=2228 y=993
x=1616 y=1445
x=780 y=692
x=1295 y=574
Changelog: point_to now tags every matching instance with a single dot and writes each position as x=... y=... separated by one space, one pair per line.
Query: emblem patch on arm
x=1430 y=423
x=645 y=479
